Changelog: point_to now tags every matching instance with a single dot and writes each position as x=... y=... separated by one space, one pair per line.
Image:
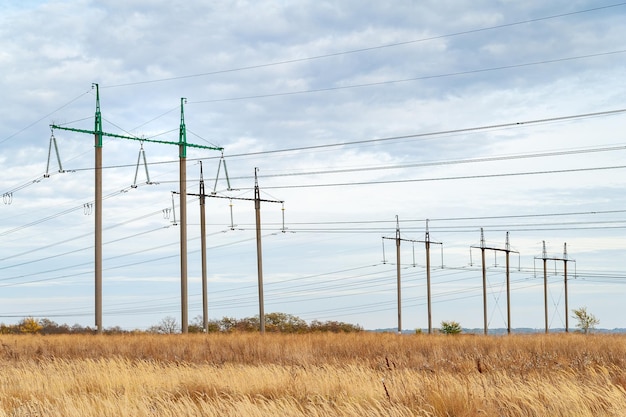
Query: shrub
x=450 y=327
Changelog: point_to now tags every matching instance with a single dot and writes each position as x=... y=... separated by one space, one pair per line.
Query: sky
x=364 y=118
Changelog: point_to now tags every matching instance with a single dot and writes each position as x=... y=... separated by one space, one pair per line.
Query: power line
x=384 y=82
x=496 y=217
x=439 y=219
x=160 y=307
x=42 y=118
x=64 y=212
x=497 y=158
x=459 y=177
x=437 y=133
x=367 y=49
x=420 y=78
x=420 y=135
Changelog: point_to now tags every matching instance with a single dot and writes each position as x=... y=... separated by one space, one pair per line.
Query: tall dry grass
x=313 y=375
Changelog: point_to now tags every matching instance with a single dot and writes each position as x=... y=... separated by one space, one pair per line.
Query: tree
x=29 y=325
x=247 y=324
x=285 y=323
x=196 y=325
x=168 y=325
x=450 y=327
x=334 y=327
x=586 y=320
x=227 y=324
x=7 y=329
x=51 y=327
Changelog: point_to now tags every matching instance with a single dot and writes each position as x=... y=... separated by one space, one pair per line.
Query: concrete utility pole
x=427 y=242
x=399 y=286
x=202 y=195
x=565 y=259
x=182 y=179
x=205 y=290
x=98 y=213
x=259 y=255
x=398 y=239
x=182 y=144
x=507 y=249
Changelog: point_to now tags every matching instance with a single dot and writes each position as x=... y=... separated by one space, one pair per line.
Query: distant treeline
x=274 y=322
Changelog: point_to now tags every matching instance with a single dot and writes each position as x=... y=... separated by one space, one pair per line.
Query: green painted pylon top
x=182 y=133
x=98 y=118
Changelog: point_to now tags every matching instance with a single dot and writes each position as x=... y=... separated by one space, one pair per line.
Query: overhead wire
x=482 y=29
x=496 y=158
x=419 y=78
x=367 y=49
x=43 y=117
x=461 y=218
x=364 y=308
x=451 y=178
x=363 y=50
x=240 y=301
x=436 y=133
x=66 y=211
x=423 y=135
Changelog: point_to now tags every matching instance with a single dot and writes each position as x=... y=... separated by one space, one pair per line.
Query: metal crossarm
x=182 y=144
x=114 y=135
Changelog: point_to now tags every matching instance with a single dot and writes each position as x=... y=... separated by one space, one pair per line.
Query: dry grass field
x=360 y=375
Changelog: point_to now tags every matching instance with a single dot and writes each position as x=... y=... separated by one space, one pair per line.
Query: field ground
x=365 y=374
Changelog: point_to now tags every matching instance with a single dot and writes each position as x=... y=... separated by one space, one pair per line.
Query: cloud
x=265 y=77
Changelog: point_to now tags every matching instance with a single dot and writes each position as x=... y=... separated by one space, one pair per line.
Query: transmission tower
x=202 y=196
x=565 y=259
x=427 y=242
x=259 y=255
x=507 y=250
x=182 y=145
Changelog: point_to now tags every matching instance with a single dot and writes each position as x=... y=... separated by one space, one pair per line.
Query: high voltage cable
x=451 y=162
x=468 y=229
x=387 y=82
x=228 y=301
x=392 y=304
x=251 y=302
x=460 y=177
x=372 y=48
x=384 y=82
x=408 y=302
x=42 y=118
x=420 y=78
x=352 y=52
x=79 y=250
x=571 y=213
x=512 y=216
x=488 y=217
x=420 y=135
x=275 y=283
x=160 y=258
x=160 y=308
x=58 y=243
x=437 y=133
x=64 y=212
x=306 y=277
x=363 y=308
x=380 y=230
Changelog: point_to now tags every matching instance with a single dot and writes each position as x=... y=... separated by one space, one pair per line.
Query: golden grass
x=313 y=375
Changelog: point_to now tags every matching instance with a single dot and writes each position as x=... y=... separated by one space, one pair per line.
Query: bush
x=450 y=327
x=586 y=320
